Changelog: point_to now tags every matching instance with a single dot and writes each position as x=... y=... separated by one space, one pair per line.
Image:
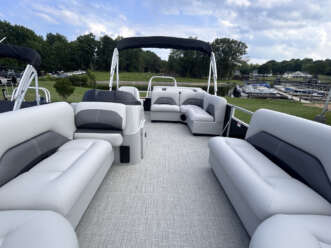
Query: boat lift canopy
x=33 y=59
x=163 y=42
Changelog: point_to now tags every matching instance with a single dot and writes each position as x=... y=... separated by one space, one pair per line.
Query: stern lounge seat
x=35 y=229
x=165 y=105
x=289 y=231
x=42 y=168
x=103 y=120
x=281 y=168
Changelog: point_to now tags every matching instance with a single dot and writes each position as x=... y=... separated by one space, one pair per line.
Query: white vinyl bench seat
x=43 y=168
x=288 y=231
x=35 y=229
x=282 y=167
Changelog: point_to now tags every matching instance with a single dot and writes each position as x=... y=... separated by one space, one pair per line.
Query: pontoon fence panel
x=233 y=108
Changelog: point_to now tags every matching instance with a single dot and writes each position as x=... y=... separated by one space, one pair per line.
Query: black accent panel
x=211 y=110
x=298 y=163
x=165 y=100
x=116 y=96
x=26 y=155
x=237 y=130
x=147 y=104
x=125 y=154
x=98 y=119
x=226 y=119
x=183 y=117
x=194 y=101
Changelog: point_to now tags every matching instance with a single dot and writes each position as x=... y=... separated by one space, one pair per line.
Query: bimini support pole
x=29 y=75
x=113 y=67
x=212 y=69
x=209 y=76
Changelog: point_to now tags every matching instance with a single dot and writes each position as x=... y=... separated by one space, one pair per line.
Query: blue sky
x=272 y=29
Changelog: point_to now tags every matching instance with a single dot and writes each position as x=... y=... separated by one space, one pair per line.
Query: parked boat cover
x=164 y=42
x=25 y=54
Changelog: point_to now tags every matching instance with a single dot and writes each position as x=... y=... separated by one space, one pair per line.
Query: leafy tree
x=86 y=48
x=104 y=52
x=228 y=53
x=64 y=87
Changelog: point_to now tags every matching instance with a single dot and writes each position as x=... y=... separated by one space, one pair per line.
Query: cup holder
x=183 y=117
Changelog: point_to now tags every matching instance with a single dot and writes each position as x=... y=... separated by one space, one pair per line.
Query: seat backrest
x=300 y=147
x=115 y=96
x=32 y=134
x=167 y=96
x=100 y=115
x=215 y=106
x=132 y=90
x=192 y=97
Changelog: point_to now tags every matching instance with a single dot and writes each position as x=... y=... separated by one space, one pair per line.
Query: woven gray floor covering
x=170 y=199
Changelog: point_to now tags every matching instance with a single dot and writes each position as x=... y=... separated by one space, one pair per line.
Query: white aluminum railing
x=149 y=88
x=232 y=117
x=44 y=90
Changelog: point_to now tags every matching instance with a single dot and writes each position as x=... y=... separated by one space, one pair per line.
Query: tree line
x=313 y=67
x=88 y=52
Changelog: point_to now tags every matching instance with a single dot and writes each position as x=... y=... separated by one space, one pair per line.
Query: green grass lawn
x=55 y=97
x=286 y=106
x=145 y=76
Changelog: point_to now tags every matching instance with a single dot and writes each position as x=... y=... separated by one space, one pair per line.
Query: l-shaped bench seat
x=203 y=113
x=43 y=168
x=52 y=160
x=282 y=167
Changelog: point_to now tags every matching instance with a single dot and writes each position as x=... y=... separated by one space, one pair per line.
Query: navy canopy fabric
x=164 y=42
x=25 y=54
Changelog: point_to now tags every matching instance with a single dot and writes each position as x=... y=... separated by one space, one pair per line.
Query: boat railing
x=233 y=126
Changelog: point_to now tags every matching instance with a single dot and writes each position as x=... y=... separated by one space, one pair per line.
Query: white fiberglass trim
x=149 y=88
x=29 y=75
x=113 y=67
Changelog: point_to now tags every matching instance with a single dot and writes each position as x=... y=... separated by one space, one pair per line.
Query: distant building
x=255 y=74
x=297 y=74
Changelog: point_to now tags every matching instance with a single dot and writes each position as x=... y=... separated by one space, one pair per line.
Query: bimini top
x=25 y=54
x=164 y=42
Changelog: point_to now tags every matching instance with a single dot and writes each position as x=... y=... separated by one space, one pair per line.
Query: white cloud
x=87 y=18
x=46 y=18
x=272 y=29
x=240 y=3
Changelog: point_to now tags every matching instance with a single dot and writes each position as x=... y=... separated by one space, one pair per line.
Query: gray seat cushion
x=199 y=114
x=165 y=108
x=58 y=182
x=24 y=156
